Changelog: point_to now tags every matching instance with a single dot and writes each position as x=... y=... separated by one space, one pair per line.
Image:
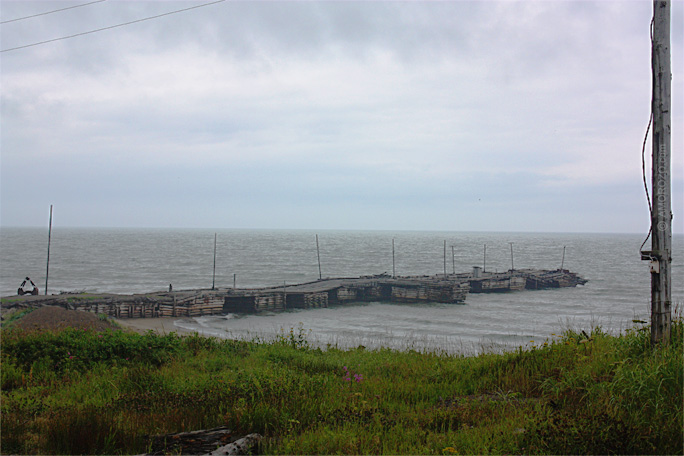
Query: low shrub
x=77 y=392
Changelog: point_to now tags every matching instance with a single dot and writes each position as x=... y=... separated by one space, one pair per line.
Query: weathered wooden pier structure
x=440 y=288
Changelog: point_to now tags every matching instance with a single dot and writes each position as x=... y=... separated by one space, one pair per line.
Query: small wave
x=201 y=329
x=203 y=321
x=187 y=325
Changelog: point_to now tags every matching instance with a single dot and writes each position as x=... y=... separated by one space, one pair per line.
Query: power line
x=112 y=26
x=50 y=12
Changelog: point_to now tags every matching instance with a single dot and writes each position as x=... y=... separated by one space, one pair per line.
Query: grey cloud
x=464 y=115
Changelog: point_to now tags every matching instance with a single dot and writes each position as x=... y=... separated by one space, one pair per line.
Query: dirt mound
x=51 y=318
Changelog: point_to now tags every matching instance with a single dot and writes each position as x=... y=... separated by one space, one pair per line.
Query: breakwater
x=440 y=288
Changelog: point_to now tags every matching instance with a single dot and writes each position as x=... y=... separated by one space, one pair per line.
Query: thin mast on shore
x=47 y=268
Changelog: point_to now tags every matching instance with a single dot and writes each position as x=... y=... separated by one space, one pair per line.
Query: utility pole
x=660 y=255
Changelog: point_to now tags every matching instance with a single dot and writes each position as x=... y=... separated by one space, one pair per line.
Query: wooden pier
x=448 y=289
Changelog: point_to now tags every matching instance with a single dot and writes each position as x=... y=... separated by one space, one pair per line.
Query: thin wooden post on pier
x=484 y=262
x=394 y=271
x=453 y=260
x=563 y=260
x=284 y=296
x=660 y=255
x=213 y=279
x=173 y=311
x=512 y=265
x=47 y=267
x=234 y=278
x=445 y=259
x=318 y=253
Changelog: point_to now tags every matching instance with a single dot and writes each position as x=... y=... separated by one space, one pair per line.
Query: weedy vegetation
x=81 y=392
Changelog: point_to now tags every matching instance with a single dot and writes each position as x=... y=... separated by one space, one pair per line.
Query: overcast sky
x=473 y=116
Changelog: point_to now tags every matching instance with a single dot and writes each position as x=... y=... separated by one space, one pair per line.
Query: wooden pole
x=284 y=296
x=445 y=258
x=512 y=266
x=453 y=259
x=213 y=279
x=661 y=213
x=234 y=278
x=563 y=260
x=394 y=271
x=318 y=253
x=484 y=263
x=47 y=267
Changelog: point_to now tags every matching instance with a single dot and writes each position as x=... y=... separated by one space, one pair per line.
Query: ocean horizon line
x=320 y=230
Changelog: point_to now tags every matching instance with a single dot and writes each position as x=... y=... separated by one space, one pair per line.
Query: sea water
x=144 y=260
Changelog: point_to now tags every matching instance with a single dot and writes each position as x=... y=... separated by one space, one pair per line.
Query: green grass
x=15 y=316
x=12 y=300
x=78 y=392
x=81 y=297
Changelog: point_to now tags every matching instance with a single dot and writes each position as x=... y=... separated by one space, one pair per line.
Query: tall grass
x=79 y=392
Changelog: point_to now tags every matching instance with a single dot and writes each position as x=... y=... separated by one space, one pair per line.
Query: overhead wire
x=50 y=12
x=112 y=26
